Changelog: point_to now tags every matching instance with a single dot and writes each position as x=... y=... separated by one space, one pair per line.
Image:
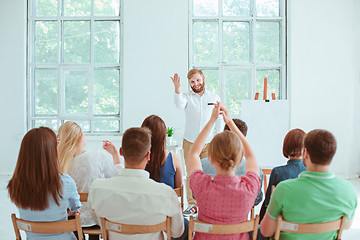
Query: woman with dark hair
x=164 y=166
x=37 y=188
x=292 y=147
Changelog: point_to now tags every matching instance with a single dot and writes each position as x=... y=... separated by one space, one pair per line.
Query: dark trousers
x=185 y=235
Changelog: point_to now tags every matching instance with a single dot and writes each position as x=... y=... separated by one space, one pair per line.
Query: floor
x=6 y=207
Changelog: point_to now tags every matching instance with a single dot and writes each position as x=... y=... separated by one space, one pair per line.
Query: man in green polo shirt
x=315 y=196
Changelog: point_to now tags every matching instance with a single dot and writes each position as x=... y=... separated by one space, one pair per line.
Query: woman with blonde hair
x=85 y=166
x=226 y=199
x=37 y=188
x=164 y=166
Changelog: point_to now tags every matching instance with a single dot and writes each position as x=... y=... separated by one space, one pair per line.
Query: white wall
x=323 y=74
x=323 y=39
x=12 y=80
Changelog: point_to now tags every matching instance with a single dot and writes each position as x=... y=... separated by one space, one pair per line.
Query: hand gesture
x=215 y=112
x=225 y=113
x=109 y=147
x=176 y=81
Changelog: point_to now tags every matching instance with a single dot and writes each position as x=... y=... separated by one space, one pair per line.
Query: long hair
x=158 y=139
x=69 y=137
x=36 y=176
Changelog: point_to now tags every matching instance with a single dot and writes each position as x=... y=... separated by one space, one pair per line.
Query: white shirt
x=133 y=198
x=198 y=113
x=84 y=169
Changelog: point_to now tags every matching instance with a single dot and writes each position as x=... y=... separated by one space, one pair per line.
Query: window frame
x=251 y=66
x=60 y=66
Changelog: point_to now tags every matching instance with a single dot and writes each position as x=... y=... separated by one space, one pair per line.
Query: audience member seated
x=292 y=146
x=164 y=166
x=132 y=197
x=85 y=166
x=37 y=188
x=239 y=170
x=315 y=196
x=226 y=199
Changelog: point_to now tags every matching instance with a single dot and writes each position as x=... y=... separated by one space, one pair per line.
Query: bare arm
x=251 y=163
x=195 y=150
x=267 y=226
x=178 y=170
x=110 y=148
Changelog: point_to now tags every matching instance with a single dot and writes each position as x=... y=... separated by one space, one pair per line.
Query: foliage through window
x=74 y=65
x=238 y=43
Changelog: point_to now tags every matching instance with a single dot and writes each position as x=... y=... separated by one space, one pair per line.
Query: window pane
x=206 y=7
x=77 y=7
x=236 y=37
x=206 y=42
x=85 y=125
x=212 y=80
x=46 y=8
x=50 y=123
x=45 y=92
x=107 y=7
x=236 y=88
x=46 y=41
x=236 y=7
x=106 y=126
x=77 y=41
x=273 y=77
x=268 y=8
x=106 y=91
x=107 y=42
x=267 y=42
x=76 y=91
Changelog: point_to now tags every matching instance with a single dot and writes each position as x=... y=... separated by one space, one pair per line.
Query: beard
x=200 y=89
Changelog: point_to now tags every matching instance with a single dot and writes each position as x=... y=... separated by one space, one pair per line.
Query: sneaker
x=191 y=210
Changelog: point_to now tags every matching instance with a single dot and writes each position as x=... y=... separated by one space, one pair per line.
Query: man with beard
x=197 y=114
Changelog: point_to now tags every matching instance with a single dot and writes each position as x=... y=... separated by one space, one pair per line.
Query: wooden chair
x=92 y=231
x=179 y=191
x=265 y=183
x=47 y=227
x=107 y=225
x=209 y=228
x=310 y=228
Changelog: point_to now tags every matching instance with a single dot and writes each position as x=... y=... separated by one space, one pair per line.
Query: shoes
x=191 y=210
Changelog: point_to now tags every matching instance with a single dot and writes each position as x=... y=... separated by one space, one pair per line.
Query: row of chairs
x=194 y=226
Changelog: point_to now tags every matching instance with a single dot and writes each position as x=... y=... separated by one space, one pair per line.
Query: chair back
x=309 y=228
x=47 y=227
x=179 y=191
x=266 y=171
x=92 y=230
x=210 y=228
x=107 y=225
x=83 y=196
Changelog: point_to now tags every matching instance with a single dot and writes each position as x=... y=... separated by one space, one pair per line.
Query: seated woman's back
x=37 y=188
x=226 y=199
x=292 y=146
x=92 y=165
x=84 y=166
x=164 y=167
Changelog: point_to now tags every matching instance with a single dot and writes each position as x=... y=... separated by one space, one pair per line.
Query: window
x=237 y=43
x=74 y=64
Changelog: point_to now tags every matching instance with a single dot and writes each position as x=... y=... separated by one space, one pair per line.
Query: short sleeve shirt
x=224 y=199
x=313 y=197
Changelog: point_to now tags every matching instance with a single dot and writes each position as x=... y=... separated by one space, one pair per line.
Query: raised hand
x=215 y=112
x=225 y=113
x=176 y=82
x=109 y=147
